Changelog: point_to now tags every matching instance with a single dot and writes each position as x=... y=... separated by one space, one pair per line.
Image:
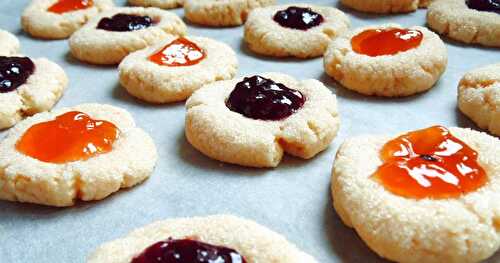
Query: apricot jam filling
x=390 y=41
x=180 y=52
x=63 y=6
x=429 y=163
x=72 y=136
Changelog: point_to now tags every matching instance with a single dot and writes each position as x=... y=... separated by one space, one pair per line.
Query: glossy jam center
x=429 y=163
x=72 y=136
x=125 y=22
x=187 y=251
x=14 y=71
x=379 y=42
x=63 y=6
x=260 y=98
x=298 y=18
x=180 y=52
x=484 y=5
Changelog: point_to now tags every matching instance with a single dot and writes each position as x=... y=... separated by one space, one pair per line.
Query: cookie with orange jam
x=428 y=195
x=58 y=19
x=387 y=60
x=177 y=66
x=85 y=152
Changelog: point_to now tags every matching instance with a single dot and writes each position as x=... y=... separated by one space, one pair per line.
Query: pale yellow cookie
x=265 y=36
x=164 y=4
x=402 y=74
x=9 y=45
x=155 y=83
x=39 y=93
x=454 y=230
x=25 y=179
x=98 y=46
x=39 y=22
x=228 y=136
x=382 y=6
x=221 y=12
x=254 y=242
x=454 y=19
x=479 y=97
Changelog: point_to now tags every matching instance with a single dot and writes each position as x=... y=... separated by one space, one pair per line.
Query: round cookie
x=479 y=97
x=37 y=21
x=463 y=229
x=164 y=4
x=424 y=3
x=402 y=74
x=98 y=46
x=265 y=36
x=221 y=12
x=254 y=242
x=228 y=136
x=156 y=83
x=26 y=179
x=454 y=19
x=9 y=45
x=40 y=92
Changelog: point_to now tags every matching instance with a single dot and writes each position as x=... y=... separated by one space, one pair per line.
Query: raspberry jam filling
x=125 y=22
x=379 y=42
x=14 y=71
x=180 y=52
x=63 y=6
x=72 y=136
x=260 y=98
x=187 y=251
x=484 y=5
x=298 y=18
x=429 y=163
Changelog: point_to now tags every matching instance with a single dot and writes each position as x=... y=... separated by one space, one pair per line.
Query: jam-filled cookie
x=387 y=60
x=28 y=86
x=298 y=30
x=479 y=97
x=58 y=19
x=384 y=6
x=217 y=238
x=9 y=44
x=221 y=13
x=112 y=35
x=251 y=121
x=85 y=152
x=174 y=68
x=164 y=4
x=426 y=196
x=468 y=21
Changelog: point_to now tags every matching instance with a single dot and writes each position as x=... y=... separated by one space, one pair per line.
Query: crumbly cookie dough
x=382 y=6
x=454 y=19
x=154 y=83
x=40 y=23
x=254 y=242
x=264 y=36
x=40 y=93
x=463 y=229
x=164 y=4
x=479 y=97
x=402 y=74
x=97 y=46
x=227 y=136
x=221 y=12
x=25 y=179
x=9 y=44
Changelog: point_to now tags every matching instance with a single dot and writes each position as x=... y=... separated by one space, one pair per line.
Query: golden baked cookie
x=283 y=31
x=424 y=3
x=456 y=20
x=63 y=173
x=164 y=4
x=221 y=12
x=382 y=61
x=252 y=121
x=221 y=234
x=175 y=67
x=49 y=19
x=382 y=6
x=459 y=228
x=113 y=34
x=9 y=45
x=479 y=97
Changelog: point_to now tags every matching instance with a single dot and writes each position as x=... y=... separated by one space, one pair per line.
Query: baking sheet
x=293 y=199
